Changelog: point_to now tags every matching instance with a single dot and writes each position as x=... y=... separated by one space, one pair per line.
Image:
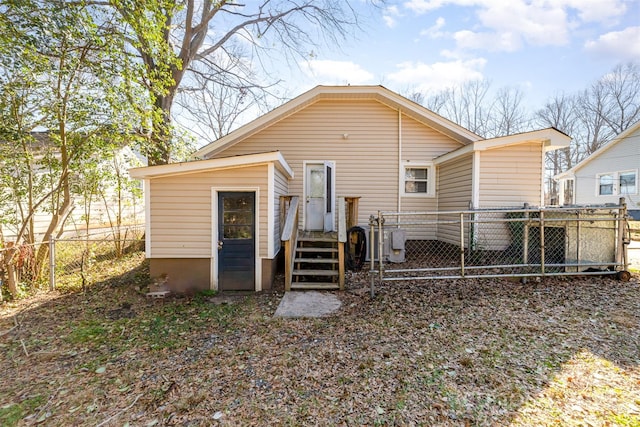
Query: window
x=605 y=183
x=627 y=183
x=617 y=183
x=417 y=180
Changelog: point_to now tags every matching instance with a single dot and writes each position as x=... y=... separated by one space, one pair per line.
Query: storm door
x=320 y=199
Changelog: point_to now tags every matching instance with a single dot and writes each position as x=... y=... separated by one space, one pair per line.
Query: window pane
x=414 y=173
x=628 y=183
x=605 y=185
x=415 y=187
x=237 y=232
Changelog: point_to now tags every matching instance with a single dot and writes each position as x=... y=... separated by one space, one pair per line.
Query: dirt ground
x=455 y=352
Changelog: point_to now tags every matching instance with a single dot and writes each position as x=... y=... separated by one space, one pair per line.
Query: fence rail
x=526 y=242
x=74 y=260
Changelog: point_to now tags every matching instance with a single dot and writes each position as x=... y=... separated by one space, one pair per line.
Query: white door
x=320 y=200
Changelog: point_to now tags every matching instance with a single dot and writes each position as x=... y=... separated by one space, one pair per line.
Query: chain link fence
x=496 y=243
x=71 y=262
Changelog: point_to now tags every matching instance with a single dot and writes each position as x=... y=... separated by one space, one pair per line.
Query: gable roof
x=377 y=93
x=615 y=141
x=220 y=163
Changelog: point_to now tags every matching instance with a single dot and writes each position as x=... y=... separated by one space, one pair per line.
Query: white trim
x=214 y=234
x=542 y=179
x=475 y=180
x=271 y=211
x=196 y=166
x=551 y=139
x=146 y=189
x=400 y=166
x=431 y=178
x=616 y=183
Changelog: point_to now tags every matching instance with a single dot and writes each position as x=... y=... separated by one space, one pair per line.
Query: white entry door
x=320 y=200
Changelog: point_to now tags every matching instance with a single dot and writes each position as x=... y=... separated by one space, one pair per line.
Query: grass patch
x=12 y=413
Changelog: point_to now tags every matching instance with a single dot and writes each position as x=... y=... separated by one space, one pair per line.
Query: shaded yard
x=484 y=352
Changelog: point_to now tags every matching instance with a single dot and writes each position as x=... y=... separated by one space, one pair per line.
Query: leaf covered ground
x=454 y=352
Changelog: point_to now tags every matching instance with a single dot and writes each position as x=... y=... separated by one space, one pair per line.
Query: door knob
x=220 y=244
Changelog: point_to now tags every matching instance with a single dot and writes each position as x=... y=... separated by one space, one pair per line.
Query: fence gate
x=526 y=242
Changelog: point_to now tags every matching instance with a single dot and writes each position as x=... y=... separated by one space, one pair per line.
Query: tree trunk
x=12 y=274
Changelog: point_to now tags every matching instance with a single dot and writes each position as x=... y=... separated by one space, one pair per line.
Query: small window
x=627 y=183
x=418 y=180
x=605 y=183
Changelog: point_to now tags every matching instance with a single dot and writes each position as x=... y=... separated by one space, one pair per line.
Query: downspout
x=400 y=171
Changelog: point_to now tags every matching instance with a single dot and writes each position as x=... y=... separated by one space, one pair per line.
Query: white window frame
x=431 y=178
x=616 y=183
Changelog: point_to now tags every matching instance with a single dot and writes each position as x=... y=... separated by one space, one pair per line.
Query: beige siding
x=422 y=144
x=454 y=194
x=367 y=163
x=181 y=216
x=511 y=176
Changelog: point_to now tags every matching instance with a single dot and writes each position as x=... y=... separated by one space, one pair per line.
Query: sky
x=542 y=47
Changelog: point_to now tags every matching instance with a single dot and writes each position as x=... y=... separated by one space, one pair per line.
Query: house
x=219 y=222
x=605 y=176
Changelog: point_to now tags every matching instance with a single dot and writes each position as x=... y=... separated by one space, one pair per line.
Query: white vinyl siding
x=622 y=157
x=366 y=160
x=511 y=176
x=181 y=216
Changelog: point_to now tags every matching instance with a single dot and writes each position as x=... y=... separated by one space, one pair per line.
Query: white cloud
x=434 y=32
x=437 y=76
x=389 y=21
x=336 y=72
x=389 y=16
x=508 y=25
x=623 y=45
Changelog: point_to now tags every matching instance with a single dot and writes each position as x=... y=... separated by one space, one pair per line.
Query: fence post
x=462 y=244
x=578 y=243
x=52 y=263
x=621 y=253
x=542 y=242
x=380 y=245
x=371 y=254
x=525 y=236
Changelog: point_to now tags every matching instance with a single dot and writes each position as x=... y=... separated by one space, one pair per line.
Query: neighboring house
x=364 y=142
x=605 y=176
x=101 y=208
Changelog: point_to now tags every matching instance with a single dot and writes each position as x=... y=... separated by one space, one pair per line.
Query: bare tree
x=213 y=103
x=507 y=113
x=621 y=93
x=560 y=112
x=171 y=35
